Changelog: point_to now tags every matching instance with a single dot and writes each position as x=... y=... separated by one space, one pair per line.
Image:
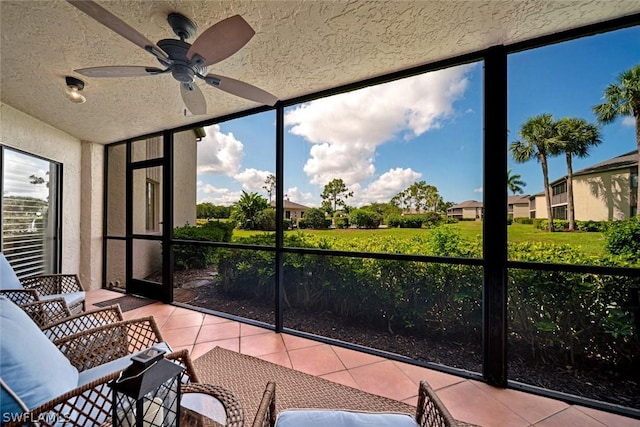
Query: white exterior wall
x=185 y=156
x=26 y=133
x=602 y=197
x=520 y=210
x=541 y=207
x=91 y=220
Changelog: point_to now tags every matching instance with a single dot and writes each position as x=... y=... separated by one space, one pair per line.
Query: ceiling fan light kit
x=72 y=92
x=185 y=62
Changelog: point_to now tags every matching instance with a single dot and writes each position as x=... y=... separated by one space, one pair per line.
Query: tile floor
x=467 y=400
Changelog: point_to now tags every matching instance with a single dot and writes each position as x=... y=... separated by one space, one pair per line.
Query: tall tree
x=336 y=193
x=270 y=185
x=535 y=138
x=515 y=183
x=401 y=200
x=623 y=99
x=574 y=137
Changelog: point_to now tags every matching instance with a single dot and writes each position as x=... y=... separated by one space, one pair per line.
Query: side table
x=208 y=405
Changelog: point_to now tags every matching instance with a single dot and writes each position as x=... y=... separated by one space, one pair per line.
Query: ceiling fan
x=184 y=61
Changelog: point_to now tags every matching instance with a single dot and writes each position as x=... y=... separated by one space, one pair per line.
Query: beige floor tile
x=317 y=360
x=261 y=344
x=280 y=358
x=467 y=402
x=219 y=331
x=571 y=417
x=293 y=342
x=384 y=379
x=353 y=359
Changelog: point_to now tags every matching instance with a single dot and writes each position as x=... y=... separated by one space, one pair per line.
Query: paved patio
x=467 y=400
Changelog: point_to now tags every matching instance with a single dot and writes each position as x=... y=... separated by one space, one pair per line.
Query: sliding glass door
x=30 y=212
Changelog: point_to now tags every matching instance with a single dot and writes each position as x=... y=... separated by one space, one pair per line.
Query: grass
x=591 y=244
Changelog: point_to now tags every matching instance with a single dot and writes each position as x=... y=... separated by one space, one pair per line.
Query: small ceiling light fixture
x=74 y=86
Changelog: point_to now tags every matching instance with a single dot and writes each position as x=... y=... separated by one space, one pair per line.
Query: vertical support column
x=91 y=217
x=495 y=217
x=279 y=258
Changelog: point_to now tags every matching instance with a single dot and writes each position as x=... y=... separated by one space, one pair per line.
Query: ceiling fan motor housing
x=182 y=69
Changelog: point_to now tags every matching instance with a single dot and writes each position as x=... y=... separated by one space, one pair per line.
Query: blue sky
x=381 y=139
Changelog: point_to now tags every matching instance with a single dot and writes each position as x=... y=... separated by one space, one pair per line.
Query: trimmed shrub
x=314 y=218
x=523 y=220
x=592 y=226
x=363 y=218
x=194 y=255
x=341 y=222
x=266 y=220
x=623 y=238
x=405 y=221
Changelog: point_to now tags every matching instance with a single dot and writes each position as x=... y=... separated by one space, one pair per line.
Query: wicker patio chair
x=47 y=312
x=41 y=288
x=430 y=411
x=80 y=322
x=89 y=403
x=88 y=353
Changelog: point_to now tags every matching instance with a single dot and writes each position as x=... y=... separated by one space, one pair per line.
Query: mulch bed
x=595 y=382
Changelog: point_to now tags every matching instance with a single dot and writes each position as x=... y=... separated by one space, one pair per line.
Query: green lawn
x=589 y=243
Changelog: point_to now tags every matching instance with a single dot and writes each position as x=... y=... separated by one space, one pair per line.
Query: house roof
x=292 y=205
x=622 y=161
x=515 y=199
x=467 y=204
x=300 y=48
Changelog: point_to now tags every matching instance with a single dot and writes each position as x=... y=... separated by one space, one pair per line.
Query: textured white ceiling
x=300 y=47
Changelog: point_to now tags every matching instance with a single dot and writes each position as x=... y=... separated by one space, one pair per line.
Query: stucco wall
x=23 y=132
x=521 y=210
x=185 y=156
x=541 y=207
x=602 y=197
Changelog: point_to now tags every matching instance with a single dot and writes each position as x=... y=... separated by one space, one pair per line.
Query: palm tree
x=574 y=137
x=623 y=99
x=247 y=208
x=514 y=183
x=535 y=138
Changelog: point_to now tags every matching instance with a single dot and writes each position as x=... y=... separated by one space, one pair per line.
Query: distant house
x=471 y=209
x=292 y=210
x=602 y=192
x=518 y=206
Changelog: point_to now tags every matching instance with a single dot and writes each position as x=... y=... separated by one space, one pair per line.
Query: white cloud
x=352 y=163
x=252 y=179
x=216 y=195
x=345 y=129
x=388 y=185
x=295 y=195
x=628 y=121
x=478 y=190
x=219 y=153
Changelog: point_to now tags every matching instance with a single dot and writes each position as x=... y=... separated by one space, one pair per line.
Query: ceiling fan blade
x=241 y=89
x=193 y=98
x=221 y=40
x=119 y=71
x=117 y=25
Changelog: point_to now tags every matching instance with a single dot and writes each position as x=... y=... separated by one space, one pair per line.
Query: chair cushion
x=338 y=418
x=31 y=366
x=72 y=298
x=8 y=278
